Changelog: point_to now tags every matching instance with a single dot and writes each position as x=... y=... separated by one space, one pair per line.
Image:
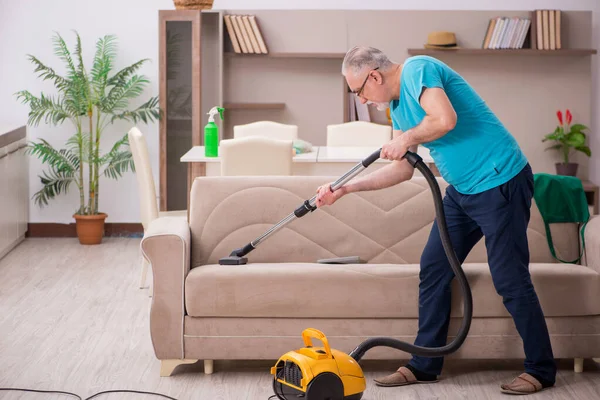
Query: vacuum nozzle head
x=233 y=260
x=237 y=256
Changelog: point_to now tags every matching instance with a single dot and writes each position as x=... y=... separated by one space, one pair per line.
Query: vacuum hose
x=368 y=344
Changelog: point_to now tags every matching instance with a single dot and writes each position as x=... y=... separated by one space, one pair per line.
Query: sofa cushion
x=388 y=226
x=303 y=290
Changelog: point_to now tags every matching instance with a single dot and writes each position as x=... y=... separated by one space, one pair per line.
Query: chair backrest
x=143 y=172
x=256 y=155
x=358 y=133
x=270 y=129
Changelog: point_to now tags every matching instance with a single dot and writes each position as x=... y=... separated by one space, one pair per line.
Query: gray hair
x=359 y=58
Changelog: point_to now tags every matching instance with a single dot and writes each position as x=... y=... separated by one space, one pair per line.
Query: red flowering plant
x=568 y=137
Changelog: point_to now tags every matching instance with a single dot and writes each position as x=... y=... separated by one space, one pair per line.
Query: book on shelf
x=506 y=33
x=245 y=34
x=540 y=30
x=548 y=33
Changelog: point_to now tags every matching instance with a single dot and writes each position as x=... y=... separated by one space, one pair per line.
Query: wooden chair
x=147 y=190
x=256 y=155
x=270 y=129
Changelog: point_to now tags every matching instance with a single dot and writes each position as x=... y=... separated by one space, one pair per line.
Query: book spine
x=238 y=33
x=259 y=37
x=232 y=35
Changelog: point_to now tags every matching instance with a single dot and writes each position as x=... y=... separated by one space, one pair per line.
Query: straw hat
x=441 y=40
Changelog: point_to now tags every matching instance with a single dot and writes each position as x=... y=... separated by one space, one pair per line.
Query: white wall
x=27 y=29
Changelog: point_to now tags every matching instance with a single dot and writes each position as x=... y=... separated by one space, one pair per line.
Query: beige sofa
x=204 y=311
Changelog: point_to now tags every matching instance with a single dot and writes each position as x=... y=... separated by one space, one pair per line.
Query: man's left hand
x=395 y=149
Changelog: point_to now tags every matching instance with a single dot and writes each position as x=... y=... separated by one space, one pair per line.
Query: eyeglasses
x=365 y=82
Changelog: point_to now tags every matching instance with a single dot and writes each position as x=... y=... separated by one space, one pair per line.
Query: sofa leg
x=579 y=365
x=208 y=366
x=167 y=366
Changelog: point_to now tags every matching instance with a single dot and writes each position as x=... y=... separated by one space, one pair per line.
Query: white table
x=322 y=160
x=212 y=165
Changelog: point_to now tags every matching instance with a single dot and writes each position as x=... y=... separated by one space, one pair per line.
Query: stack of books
x=506 y=33
x=541 y=30
x=245 y=34
x=545 y=30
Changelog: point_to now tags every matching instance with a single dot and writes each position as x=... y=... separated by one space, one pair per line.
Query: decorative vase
x=193 y=4
x=568 y=169
x=90 y=228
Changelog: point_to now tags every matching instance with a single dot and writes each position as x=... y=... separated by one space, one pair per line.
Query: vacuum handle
x=317 y=334
x=372 y=158
x=412 y=158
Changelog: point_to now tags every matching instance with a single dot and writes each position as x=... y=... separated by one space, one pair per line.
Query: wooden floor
x=72 y=318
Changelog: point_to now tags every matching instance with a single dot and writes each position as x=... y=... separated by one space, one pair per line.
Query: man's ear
x=377 y=76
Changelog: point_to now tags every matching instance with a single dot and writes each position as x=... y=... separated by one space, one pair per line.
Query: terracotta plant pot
x=569 y=169
x=90 y=228
x=193 y=4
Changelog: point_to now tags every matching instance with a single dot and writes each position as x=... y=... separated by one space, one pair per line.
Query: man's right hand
x=325 y=197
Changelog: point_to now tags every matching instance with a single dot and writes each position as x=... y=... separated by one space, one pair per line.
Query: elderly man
x=489 y=195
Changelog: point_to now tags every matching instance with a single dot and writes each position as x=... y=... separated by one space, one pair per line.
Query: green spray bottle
x=211 y=133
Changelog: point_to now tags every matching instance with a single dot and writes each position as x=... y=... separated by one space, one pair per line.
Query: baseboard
x=44 y=229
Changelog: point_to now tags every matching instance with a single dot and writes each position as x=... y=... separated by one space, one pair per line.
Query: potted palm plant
x=91 y=100
x=568 y=139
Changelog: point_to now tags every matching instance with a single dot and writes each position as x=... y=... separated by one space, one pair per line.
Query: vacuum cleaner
x=323 y=373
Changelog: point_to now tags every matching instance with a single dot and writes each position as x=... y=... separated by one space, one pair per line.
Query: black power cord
x=79 y=397
x=38 y=391
x=95 y=395
x=130 y=391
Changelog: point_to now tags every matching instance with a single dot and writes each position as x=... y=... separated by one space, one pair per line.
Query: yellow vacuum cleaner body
x=317 y=373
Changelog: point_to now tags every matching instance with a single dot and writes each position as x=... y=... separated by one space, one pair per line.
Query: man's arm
x=440 y=118
x=392 y=174
x=395 y=172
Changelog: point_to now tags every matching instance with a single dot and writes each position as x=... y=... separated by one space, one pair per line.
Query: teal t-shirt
x=479 y=153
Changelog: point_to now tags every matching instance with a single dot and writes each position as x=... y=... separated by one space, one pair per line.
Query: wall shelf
x=254 y=106
x=530 y=52
x=287 y=55
x=464 y=51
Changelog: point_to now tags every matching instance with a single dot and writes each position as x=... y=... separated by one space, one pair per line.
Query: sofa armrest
x=166 y=246
x=592 y=243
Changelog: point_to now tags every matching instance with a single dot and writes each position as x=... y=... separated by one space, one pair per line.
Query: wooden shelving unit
x=500 y=52
x=299 y=80
x=254 y=106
